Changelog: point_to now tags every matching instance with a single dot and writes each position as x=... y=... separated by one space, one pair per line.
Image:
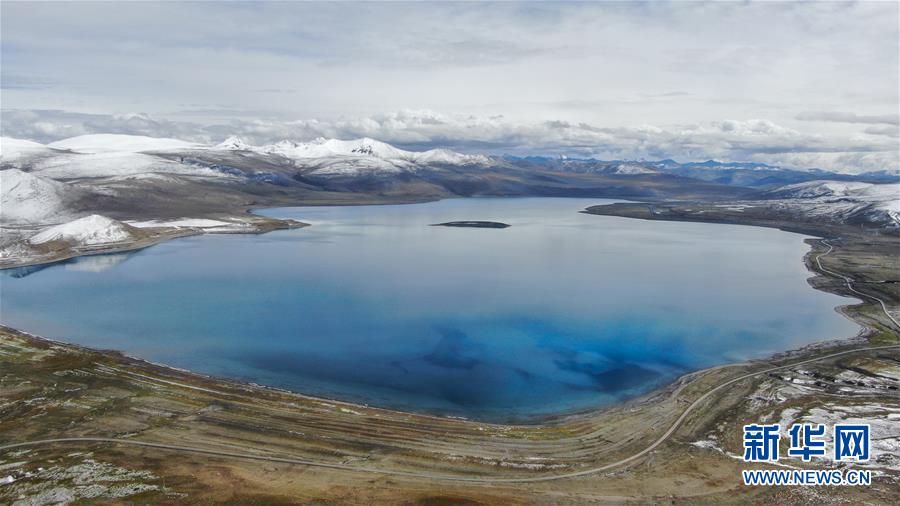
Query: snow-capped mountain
x=27 y=199
x=349 y=157
x=324 y=148
x=234 y=143
x=116 y=143
x=813 y=189
x=847 y=202
x=87 y=231
x=631 y=169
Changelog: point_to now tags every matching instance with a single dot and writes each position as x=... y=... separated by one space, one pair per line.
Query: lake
x=561 y=311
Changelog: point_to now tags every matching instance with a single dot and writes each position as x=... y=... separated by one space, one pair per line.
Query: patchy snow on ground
x=84 y=481
x=787 y=417
x=180 y=223
x=28 y=198
x=16 y=250
x=90 y=230
x=355 y=166
x=883 y=422
x=107 y=143
x=823 y=188
x=733 y=207
x=709 y=444
x=204 y=224
x=771 y=392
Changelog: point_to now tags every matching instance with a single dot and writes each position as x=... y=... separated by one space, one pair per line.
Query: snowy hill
x=107 y=143
x=97 y=156
x=848 y=202
x=445 y=156
x=16 y=152
x=234 y=143
x=88 y=231
x=813 y=189
x=632 y=169
x=27 y=199
x=13 y=149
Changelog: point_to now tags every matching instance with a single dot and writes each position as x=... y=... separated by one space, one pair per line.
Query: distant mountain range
x=142 y=178
x=748 y=174
x=369 y=157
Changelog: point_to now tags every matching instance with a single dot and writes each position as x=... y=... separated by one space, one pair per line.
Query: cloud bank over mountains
x=754 y=140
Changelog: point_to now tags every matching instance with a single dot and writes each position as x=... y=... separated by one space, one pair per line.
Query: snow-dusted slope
x=813 y=189
x=445 y=156
x=12 y=149
x=16 y=152
x=632 y=169
x=340 y=157
x=28 y=199
x=87 y=231
x=110 y=164
x=234 y=143
x=107 y=143
x=96 y=156
x=323 y=148
x=846 y=202
x=110 y=155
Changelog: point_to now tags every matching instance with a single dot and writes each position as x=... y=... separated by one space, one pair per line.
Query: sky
x=800 y=84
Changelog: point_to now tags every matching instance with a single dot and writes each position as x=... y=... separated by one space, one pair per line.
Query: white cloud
x=849 y=117
x=607 y=63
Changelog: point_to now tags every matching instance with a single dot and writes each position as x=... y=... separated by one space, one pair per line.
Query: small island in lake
x=473 y=224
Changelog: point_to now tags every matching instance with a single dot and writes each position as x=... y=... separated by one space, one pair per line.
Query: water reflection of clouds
x=92 y=263
x=97 y=263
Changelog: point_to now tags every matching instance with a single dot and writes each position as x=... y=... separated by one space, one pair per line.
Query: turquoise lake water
x=561 y=311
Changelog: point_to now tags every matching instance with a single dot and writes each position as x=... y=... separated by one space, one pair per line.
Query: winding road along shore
x=435 y=476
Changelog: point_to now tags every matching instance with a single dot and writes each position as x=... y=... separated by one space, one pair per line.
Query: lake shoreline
x=864 y=333
x=260 y=225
